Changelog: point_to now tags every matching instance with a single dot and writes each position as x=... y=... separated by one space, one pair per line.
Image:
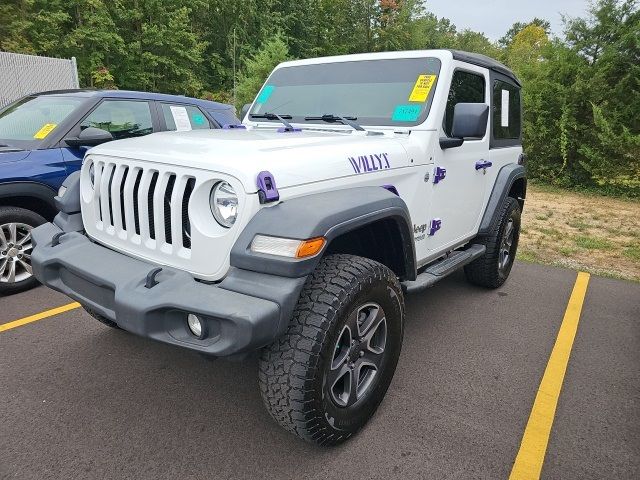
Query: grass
x=592 y=243
x=632 y=252
x=583 y=231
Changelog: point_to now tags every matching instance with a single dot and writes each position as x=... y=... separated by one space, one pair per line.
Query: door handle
x=481 y=164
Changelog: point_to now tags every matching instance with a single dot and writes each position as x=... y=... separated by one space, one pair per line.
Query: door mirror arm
x=448 y=142
x=89 y=137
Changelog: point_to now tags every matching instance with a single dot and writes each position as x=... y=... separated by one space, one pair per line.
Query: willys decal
x=370 y=163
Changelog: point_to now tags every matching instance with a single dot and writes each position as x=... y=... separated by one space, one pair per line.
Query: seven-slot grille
x=147 y=206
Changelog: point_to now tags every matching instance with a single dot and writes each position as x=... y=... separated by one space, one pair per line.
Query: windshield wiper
x=329 y=118
x=274 y=116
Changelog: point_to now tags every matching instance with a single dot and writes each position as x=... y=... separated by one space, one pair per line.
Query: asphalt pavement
x=80 y=400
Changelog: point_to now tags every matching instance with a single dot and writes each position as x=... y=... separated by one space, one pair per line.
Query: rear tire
x=100 y=318
x=325 y=377
x=493 y=268
x=15 y=249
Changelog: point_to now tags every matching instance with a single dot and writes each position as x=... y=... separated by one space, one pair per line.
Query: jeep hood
x=293 y=158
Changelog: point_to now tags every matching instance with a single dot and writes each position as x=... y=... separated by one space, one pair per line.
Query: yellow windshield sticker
x=422 y=88
x=46 y=129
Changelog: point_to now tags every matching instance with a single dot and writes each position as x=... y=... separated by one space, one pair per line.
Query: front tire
x=325 y=377
x=15 y=249
x=493 y=268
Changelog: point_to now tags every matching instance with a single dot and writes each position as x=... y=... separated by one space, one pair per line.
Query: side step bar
x=440 y=269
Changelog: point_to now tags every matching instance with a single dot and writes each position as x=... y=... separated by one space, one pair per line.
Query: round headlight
x=224 y=204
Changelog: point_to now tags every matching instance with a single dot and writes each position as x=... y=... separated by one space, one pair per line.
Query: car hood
x=13 y=155
x=293 y=158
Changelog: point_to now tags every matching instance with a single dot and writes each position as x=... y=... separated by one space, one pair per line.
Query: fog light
x=195 y=325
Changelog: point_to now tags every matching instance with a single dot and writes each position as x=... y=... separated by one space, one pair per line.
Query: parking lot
x=80 y=400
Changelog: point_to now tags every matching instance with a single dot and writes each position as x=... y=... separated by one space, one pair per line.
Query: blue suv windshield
x=27 y=123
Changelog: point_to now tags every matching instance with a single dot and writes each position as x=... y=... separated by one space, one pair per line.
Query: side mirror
x=469 y=121
x=244 y=111
x=89 y=137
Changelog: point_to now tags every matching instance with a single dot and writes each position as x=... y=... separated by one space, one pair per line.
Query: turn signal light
x=287 y=247
x=308 y=248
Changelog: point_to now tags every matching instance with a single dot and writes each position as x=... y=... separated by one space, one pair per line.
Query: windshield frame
x=57 y=133
x=381 y=122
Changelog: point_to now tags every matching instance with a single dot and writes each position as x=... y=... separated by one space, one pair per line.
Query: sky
x=495 y=17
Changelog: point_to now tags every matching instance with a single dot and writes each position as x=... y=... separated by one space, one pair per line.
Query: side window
x=466 y=87
x=506 y=111
x=123 y=118
x=184 y=117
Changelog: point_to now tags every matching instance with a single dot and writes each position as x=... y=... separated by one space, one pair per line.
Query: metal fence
x=24 y=74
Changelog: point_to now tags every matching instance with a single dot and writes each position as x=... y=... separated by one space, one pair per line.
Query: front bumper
x=244 y=312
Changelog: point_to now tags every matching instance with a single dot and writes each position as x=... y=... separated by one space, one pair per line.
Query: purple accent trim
x=439 y=174
x=392 y=189
x=267 y=190
x=232 y=126
x=436 y=223
x=287 y=130
x=483 y=164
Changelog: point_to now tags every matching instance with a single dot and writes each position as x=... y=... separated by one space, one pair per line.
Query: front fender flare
x=329 y=215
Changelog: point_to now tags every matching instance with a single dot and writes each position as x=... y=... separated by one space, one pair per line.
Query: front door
x=458 y=197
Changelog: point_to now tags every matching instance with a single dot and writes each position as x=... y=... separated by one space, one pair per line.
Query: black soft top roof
x=487 y=62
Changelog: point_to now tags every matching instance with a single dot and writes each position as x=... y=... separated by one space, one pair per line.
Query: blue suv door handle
x=480 y=164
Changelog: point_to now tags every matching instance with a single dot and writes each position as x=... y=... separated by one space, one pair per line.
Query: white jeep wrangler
x=352 y=181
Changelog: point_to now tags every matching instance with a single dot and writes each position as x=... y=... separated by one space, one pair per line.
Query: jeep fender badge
x=267 y=190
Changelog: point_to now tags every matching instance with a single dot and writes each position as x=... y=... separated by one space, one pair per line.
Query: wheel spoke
x=364 y=374
x=509 y=229
x=13 y=233
x=372 y=358
x=3 y=238
x=11 y=273
x=3 y=265
x=26 y=266
x=24 y=239
x=341 y=350
x=340 y=384
x=369 y=317
x=376 y=338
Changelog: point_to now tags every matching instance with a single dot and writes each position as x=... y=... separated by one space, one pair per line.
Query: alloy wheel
x=358 y=355
x=506 y=245
x=15 y=252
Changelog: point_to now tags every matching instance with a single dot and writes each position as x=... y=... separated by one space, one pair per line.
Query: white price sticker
x=181 y=118
x=504 y=110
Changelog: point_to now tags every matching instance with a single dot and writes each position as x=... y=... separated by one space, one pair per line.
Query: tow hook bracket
x=56 y=239
x=151 y=278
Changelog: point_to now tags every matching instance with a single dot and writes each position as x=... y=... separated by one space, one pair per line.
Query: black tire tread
x=483 y=271
x=287 y=368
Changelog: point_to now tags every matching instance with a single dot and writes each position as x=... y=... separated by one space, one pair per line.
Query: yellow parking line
x=39 y=316
x=528 y=463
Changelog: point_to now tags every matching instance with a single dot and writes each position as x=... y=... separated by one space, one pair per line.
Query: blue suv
x=43 y=138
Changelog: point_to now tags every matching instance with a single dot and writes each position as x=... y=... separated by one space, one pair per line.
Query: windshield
x=375 y=92
x=27 y=123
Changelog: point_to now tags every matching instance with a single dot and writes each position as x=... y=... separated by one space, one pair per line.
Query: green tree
x=258 y=67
